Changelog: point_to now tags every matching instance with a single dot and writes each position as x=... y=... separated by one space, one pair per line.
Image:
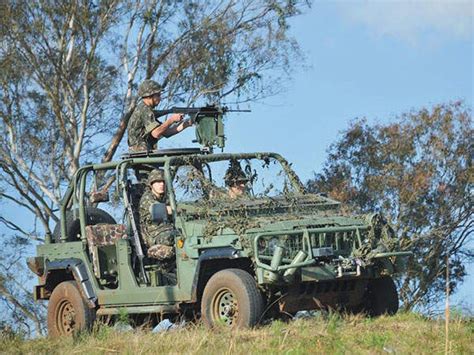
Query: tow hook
x=340 y=271
x=347 y=267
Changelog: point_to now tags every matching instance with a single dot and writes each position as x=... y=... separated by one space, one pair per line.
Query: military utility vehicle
x=272 y=249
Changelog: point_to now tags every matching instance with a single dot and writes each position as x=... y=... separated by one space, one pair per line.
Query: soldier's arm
x=161 y=131
x=174 y=129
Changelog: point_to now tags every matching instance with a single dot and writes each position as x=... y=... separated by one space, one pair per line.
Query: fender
x=211 y=254
x=79 y=271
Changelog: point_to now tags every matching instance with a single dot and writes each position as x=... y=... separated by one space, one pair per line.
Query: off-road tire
x=73 y=226
x=382 y=297
x=68 y=313
x=231 y=297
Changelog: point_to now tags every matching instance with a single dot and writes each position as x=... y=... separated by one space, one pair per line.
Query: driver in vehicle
x=235 y=180
x=159 y=238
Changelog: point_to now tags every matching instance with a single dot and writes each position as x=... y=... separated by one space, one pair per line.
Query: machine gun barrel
x=196 y=112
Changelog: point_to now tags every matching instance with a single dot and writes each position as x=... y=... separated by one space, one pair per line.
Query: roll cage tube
x=77 y=192
x=82 y=191
x=72 y=193
x=122 y=175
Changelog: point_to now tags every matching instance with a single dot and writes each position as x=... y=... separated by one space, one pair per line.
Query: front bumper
x=320 y=254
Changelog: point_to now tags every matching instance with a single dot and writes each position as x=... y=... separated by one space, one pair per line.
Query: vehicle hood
x=249 y=216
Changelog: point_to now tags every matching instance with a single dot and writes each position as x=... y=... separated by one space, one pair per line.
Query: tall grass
x=405 y=333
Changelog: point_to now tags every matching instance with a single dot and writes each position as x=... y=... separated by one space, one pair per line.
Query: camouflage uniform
x=159 y=238
x=143 y=121
x=140 y=126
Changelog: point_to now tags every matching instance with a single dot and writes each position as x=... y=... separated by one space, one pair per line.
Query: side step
x=167 y=308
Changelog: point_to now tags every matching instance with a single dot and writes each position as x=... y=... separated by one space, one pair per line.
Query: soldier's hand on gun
x=188 y=123
x=176 y=117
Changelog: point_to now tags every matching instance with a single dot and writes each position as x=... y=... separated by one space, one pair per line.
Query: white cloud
x=410 y=19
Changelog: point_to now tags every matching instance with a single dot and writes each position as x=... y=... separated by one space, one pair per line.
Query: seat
x=100 y=238
x=135 y=192
x=161 y=252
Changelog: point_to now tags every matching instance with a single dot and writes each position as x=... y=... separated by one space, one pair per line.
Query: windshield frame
x=183 y=160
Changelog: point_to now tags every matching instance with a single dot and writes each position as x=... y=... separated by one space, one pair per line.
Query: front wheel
x=68 y=313
x=231 y=297
x=382 y=297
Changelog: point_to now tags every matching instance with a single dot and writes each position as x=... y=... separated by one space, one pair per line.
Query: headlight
x=267 y=246
x=272 y=244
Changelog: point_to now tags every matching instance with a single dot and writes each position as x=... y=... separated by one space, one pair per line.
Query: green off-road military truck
x=275 y=249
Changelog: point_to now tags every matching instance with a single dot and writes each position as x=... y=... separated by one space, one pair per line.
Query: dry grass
x=402 y=334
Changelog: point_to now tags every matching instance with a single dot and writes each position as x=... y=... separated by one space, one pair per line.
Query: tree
x=70 y=71
x=418 y=171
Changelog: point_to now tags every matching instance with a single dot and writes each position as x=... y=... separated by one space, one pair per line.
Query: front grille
x=293 y=244
x=341 y=242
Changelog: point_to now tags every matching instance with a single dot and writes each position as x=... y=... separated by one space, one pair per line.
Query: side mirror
x=159 y=213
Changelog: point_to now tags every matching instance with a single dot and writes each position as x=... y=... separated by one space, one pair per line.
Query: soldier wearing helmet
x=144 y=130
x=235 y=180
x=159 y=238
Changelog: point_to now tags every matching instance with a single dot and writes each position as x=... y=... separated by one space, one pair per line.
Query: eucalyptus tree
x=417 y=170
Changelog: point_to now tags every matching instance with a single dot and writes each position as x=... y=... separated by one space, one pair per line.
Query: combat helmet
x=148 y=88
x=234 y=174
x=156 y=175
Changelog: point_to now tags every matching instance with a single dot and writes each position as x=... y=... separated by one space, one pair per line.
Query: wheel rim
x=66 y=317
x=225 y=307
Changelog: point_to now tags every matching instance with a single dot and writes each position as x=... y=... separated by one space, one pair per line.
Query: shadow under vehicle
x=275 y=249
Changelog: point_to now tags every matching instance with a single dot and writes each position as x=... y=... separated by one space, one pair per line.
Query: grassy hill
x=401 y=334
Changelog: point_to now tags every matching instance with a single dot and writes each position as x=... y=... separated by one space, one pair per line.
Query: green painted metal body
x=303 y=230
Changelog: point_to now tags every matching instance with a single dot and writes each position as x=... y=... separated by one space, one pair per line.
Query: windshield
x=198 y=180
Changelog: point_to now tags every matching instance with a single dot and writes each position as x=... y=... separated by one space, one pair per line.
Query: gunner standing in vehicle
x=159 y=238
x=144 y=130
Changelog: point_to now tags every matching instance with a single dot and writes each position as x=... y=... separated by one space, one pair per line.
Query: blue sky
x=364 y=58
x=356 y=67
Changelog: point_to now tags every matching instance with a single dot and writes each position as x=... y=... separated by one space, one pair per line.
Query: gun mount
x=208 y=121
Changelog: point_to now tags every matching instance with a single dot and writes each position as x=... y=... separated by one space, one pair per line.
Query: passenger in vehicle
x=159 y=238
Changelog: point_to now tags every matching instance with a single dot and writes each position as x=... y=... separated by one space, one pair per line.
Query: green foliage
x=123 y=316
x=418 y=171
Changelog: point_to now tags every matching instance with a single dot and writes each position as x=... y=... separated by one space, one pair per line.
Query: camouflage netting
x=272 y=194
x=380 y=238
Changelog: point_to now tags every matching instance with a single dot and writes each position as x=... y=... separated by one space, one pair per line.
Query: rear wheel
x=231 y=297
x=68 y=313
x=382 y=297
